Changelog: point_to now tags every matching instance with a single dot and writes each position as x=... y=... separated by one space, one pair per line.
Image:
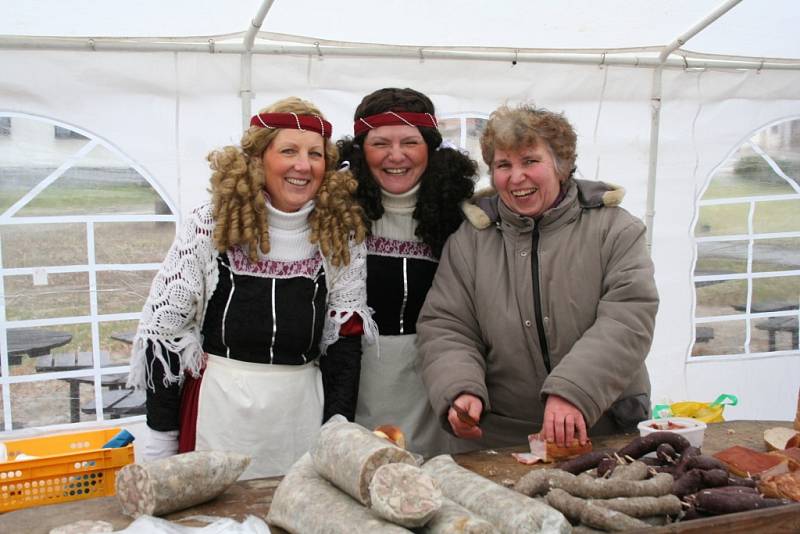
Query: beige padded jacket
x=522 y=308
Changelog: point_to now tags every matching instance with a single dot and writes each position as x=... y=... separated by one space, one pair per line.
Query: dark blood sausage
x=706 y=463
x=640 y=446
x=304 y=502
x=171 y=484
x=584 y=462
x=666 y=453
x=696 y=479
x=506 y=509
x=717 y=503
x=606 y=466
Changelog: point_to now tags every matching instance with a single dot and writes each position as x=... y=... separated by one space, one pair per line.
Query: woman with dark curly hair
x=411 y=188
x=263 y=287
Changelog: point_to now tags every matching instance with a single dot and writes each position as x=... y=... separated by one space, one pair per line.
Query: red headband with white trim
x=311 y=123
x=394 y=118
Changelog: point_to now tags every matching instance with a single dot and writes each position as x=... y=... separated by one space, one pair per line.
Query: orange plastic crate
x=68 y=467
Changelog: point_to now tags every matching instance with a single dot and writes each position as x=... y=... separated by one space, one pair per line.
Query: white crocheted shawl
x=174 y=311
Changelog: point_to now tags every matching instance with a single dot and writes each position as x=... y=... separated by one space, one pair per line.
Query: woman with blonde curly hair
x=260 y=302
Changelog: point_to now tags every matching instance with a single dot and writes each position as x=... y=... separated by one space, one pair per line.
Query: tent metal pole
x=655 y=108
x=246 y=77
x=623 y=58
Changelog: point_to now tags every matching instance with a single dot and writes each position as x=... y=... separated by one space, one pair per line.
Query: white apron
x=391 y=392
x=270 y=412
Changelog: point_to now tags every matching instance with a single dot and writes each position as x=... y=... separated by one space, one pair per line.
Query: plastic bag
x=707 y=412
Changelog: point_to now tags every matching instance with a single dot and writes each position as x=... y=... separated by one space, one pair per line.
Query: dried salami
x=306 y=503
x=506 y=509
x=348 y=455
x=177 y=482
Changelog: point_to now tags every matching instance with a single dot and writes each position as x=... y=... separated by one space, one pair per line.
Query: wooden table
x=773 y=325
x=71 y=361
x=125 y=337
x=253 y=497
x=33 y=342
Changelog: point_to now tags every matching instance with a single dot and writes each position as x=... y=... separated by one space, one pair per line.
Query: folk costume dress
x=400 y=271
x=258 y=331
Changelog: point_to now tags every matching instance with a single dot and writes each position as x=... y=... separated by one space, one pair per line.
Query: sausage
x=177 y=482
x=305 y=503
x=602 y=488
x=717 y=503
x=537 y=481
x=348 y=454
x=584 y=462
x=452 y=518
x=640 y=446
x=506 y=509
x=404 y=494
x=589 y=514
x=633 y=471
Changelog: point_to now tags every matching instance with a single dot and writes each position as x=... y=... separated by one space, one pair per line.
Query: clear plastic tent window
x=82 y=231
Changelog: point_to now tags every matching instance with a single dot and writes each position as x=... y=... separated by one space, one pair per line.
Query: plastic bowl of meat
x=691 y=429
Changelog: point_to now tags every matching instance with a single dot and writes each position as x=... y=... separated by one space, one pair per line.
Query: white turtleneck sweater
x=289 y=234
x=397 y=221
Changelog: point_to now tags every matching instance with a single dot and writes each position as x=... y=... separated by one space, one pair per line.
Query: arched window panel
x=464 y=131
x=122 y=291
x=98 y=183
x=37 y=245
x=720 y=220
x=775 y=294
x=777 y=216
x=781 y=254
x=721 y=339
x=83 y=230
x=64 y=295
x=721 y=257
x=746 y=174
x=720 y=297
x=132 y=242
x=780 y=144
x=747 y=234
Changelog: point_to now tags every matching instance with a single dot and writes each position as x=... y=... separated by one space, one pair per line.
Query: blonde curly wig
x=239 y=205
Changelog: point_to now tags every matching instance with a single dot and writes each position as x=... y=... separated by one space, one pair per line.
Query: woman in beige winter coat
x=542 y=310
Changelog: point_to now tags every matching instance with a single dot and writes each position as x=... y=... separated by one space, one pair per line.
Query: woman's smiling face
x=397 y=156
x=294 y=165
x=526 y=179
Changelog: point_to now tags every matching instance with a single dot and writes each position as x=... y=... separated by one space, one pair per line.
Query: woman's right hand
x=474 y=407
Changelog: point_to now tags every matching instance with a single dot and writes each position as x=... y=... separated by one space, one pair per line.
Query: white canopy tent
x=670 y=98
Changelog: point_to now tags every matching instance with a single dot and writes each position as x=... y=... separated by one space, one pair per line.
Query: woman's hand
x=561 y=420
x=474 y=407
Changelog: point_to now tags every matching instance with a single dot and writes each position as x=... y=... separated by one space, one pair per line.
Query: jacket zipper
x=537 y=299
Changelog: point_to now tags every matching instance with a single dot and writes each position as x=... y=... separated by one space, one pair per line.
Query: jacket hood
x=482 y=210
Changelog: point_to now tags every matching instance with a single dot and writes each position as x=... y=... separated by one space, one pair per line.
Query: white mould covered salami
x=170 y=484
x=404 y=494
x=452 y=518
x=506 y=509
x=306 y=503
x=348 y=454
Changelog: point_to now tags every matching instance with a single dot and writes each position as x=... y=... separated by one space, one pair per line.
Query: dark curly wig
x=446 y=182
